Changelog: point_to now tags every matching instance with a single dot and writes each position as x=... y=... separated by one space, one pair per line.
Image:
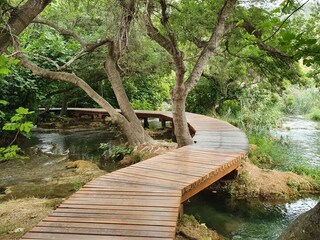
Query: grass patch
x=279 y=154
x=314 y=115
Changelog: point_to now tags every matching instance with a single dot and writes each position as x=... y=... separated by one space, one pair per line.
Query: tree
x=183 y=84
x=19 y=17
x=250 y=33
x=117 y=45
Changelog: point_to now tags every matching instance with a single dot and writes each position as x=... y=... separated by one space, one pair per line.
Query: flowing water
x=242 y=219
x=305 y=136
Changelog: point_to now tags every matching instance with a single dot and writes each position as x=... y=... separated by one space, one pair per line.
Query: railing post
x=163 y=123
x=181 y=211
x=145 y=123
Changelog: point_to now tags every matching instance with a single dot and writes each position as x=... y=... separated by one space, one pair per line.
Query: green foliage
x=7 y=153
x=147 y=92
x=280 y=154
x=5 y=64
x=301 y=100
x=271 y=152
x=115 y=153
x=18 y=123
x=313 y=173
x=203 y=98
x=256 y=112
x=315 y=114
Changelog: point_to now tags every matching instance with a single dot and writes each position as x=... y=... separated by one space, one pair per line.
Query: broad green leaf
x=16 y=118
x=26 y=127
x=11 y=126
x=22 y=110
x=4 y=71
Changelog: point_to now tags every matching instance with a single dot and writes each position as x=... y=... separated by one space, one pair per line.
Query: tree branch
x=169 y=44
x=62 y=31
x=19 y=19
x=213 y=44
x=86 y=47
x=261 y=45
x=66 y=77
x=284 y=21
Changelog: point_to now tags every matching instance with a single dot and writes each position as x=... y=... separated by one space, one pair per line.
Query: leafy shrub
x=315 y=114
x=300 y=101
x=7 y=153
x=115 y=153
x=18 y=124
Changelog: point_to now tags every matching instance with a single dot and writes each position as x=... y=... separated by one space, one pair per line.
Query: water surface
x=243 y=219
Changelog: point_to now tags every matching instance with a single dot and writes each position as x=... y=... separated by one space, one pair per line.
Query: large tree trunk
x=181 y=129
x=19 y=19
x=135 y=128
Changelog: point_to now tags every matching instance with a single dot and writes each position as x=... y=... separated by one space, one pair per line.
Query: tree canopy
x=203 y=56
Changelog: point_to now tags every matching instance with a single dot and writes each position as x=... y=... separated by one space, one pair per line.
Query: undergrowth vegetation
x=280 y=154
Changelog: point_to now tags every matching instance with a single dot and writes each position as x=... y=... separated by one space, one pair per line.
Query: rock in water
x=305 y=227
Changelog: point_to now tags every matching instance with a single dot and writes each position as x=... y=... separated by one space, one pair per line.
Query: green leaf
x=288 y=36
x=4 y=71
x=22 y=110
x=11 y=126
x=240 y=22
x=26 y=127
x=16 y=118
x=3 y=102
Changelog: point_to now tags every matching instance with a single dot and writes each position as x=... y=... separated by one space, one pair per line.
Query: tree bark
x=19 y=19
x=181 y=129
x=135 y=125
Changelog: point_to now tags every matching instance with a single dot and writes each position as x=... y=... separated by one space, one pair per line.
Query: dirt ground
x=19 y=216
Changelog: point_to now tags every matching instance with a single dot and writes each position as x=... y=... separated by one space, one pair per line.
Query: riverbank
x=267 y=184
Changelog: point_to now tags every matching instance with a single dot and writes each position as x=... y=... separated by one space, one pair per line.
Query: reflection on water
x=303 y=134
x=242 y=219
x=79 y=145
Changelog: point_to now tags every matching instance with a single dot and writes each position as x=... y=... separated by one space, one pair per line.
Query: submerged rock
x=305 y=227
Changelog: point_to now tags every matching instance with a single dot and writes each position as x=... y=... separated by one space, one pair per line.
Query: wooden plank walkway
x=142 y=201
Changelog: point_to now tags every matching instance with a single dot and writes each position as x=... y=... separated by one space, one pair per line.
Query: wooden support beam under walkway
x=142 y=201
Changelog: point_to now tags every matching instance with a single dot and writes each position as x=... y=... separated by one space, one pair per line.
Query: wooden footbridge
x=142 y=201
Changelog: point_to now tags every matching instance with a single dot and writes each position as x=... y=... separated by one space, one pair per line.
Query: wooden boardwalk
x=142 y=201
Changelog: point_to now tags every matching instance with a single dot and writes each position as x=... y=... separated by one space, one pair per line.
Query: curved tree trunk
x=135 y=128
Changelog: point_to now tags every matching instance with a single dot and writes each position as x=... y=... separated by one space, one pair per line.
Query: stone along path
x=142 y=201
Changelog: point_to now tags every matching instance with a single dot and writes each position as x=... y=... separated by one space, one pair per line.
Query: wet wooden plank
x=102 y=231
